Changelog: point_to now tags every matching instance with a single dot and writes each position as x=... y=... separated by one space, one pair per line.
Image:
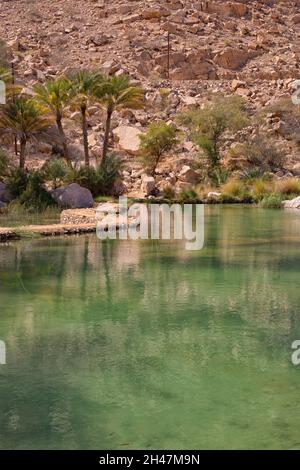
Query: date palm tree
x=56 y=95
x=116 y=94
x=83 y=88
x=25 y=119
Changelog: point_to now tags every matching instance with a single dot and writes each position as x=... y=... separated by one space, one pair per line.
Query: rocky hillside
x=239 y=47
x=215 y=40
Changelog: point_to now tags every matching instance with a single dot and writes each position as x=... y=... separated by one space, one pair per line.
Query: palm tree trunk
x=106 y=137
x=23 y=143
x=63 y=139
x=85 y=137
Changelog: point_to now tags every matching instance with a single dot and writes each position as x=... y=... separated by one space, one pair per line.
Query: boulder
x=214 y=194
x=154 y=13
x=188 y=175
x=148 y=185
x=293 y=204
x=296 y=19
x=236 y=9
x=233 y=59
x=128 y=138
x=4 y=193
x=73 y=197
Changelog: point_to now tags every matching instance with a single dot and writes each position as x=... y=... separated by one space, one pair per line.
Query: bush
x=288 y=186
x=99 y=181
x=208 y=125
x=263 y=153
x=169 y=193
x=260 y=188
x=272 y=201
x=219 y=176
x=17 y=182
x=55 y=171
x=188 y=195
x=159 y=139
x=235 y=191
x=3 y=164
x=28 y=189
x=252 y=174
x=35 y=195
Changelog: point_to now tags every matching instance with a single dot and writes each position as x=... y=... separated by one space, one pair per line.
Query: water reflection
x=142 y=344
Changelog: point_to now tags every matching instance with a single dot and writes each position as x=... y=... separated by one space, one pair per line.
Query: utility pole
x=168 y=55
x=13 y=94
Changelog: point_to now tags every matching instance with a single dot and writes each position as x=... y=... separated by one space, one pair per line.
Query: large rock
x=236 y=9
x=73 y=196
x=148 y=185
x=188 y=175
x=191 y=66
x=233 y=59
x=4 y=193
x=128 y=138
x=197 y=70
x=154 y=13
x=293 y=204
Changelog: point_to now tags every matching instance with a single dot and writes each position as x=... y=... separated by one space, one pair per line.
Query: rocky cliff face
x=190 y=47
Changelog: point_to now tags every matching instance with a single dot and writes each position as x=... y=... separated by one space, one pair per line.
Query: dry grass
x=288 y=186
x=234 y=188
x=261 y=187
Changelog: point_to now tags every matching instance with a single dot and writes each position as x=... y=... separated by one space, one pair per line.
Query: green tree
x=83 y=88
x=116 y=94
x=56 y=95
x=159 y=138
x=207 y=125
x=24 y=119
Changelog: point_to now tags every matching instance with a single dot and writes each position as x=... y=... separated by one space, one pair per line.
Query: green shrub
x=3 y=164
x=17 y=182
x=263 y=153
x=27 y=190
x=169 y=193
x=55 y=171
x=35 y=195
x=208 y=125
x=219 y=176
x=188 y=195
x=260 y=188
x=272 y=201
x=99 y=181
x=252 y=174
x=159 y=139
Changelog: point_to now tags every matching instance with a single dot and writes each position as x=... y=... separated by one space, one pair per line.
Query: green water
x=128 y=344
x=19 y=217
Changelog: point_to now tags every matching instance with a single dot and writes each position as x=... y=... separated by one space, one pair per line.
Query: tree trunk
x=63 y=140
x=23 y=143
x=106 y=137
x=85 y=137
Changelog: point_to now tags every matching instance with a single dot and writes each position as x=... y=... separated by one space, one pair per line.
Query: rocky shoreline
x=82 y=221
